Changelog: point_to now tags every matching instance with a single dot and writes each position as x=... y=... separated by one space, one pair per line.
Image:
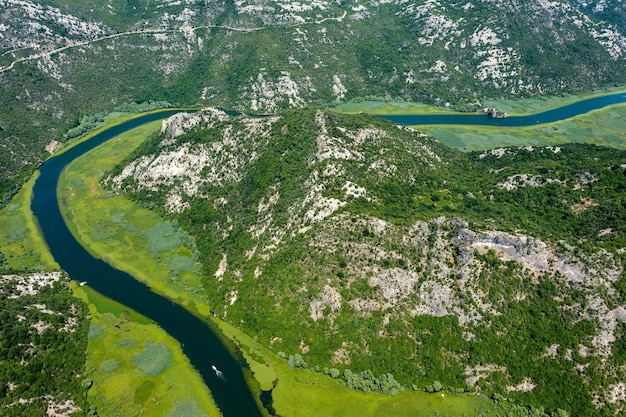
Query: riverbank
x=517 y=107
x=132 y=238
x=603 y=127
x=21 y=242
x=200 y=343
x=136 y=367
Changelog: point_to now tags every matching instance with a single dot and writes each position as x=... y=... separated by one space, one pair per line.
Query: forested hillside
x=362 y=246
x=43 y=339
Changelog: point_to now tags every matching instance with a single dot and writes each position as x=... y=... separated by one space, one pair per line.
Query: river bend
x=199 y=341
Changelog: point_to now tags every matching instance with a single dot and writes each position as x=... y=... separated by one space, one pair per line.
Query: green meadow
x=388 y=108
x=520 y=107
x=604 y=127
x=136 y=367
x=517 y=107
x=21 y=243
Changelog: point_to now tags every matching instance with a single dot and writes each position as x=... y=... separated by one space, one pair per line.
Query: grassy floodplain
x=21 y=242
x=132 y=238
x=604 y=127
x=137 y=368
x=388 y=108
x=114 y=228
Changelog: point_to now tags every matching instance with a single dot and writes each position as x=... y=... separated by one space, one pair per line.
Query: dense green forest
x=43 y=340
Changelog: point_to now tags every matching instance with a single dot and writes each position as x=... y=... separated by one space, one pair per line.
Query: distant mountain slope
x=360 y=245
x=62 y=60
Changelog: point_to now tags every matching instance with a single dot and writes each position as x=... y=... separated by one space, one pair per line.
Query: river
x=549 y=116
x=198 y=338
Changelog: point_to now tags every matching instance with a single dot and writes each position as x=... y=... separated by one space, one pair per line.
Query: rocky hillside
x=63 y=60
x=43 y=339
x=360 y=245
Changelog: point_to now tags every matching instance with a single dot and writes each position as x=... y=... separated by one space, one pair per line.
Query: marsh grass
x=186 y=409
x=537 y=105
x=514 y=107
x=109 y=365
x=138 y=369
x=20 y=240
x=163 y=237
x=153 y=359
x=388 y=108
x=127 y=236
x=95 y=331
x=604 y=127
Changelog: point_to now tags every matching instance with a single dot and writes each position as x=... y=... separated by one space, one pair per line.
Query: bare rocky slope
x=63 y=60
x=361 y=245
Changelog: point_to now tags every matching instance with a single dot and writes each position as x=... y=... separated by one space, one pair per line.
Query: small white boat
x=83 y=283
x=218 y=372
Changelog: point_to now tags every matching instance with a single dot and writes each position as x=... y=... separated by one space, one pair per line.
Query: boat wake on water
x=219 y=373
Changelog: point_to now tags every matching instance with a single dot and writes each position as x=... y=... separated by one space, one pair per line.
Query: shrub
x=296 y=361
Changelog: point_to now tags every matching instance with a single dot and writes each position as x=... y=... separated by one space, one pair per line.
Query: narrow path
x=116 y=35
x=147 y=32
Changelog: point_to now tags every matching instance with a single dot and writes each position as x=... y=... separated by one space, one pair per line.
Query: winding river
x=549 y=116
x=199 y=340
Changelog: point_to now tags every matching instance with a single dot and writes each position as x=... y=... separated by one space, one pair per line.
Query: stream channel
x=199 y=339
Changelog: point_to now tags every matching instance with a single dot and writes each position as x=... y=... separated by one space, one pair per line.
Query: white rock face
x=30 y=284
x=184 y=170
x=268 y=95
x=330 y=297
x=338 y=88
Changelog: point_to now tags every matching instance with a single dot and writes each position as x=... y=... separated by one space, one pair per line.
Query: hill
x=363 y=246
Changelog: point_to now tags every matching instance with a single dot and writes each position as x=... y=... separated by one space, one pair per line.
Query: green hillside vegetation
x=42 y=347
x=321 y=387
x=546 y=184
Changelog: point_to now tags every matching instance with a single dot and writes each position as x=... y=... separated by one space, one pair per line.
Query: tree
x=296 y=361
